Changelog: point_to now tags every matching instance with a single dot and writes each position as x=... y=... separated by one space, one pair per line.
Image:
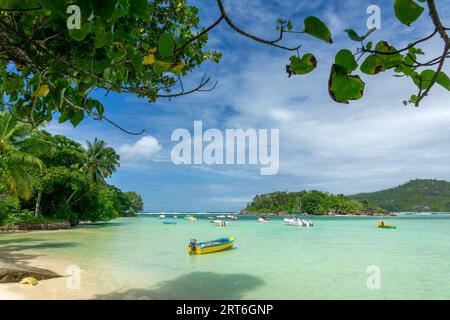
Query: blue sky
x=368 y=145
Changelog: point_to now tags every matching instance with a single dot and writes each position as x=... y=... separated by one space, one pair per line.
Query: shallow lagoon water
x=141 y=257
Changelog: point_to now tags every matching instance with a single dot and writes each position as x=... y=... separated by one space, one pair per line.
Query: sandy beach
x=51 y=289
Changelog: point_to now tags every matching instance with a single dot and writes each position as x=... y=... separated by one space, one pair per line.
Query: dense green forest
x=415 y=195
x=310 y=202
x=45 y=177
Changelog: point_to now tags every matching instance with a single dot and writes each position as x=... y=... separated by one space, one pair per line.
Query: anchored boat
x=220 y=223
x=169 y=222
x=264 y=220
x=297 y=222
x=384 y=225
x=210 y=246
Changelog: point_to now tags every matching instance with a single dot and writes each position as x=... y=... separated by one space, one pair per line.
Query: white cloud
x=145 y=148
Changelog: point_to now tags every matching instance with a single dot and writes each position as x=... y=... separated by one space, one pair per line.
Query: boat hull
x=383 y=225
x=227 y=243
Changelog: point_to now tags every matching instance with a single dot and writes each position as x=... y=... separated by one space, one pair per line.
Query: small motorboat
x=191 y=218
x=210 y=246
x=297 y=222
x=162 y=216
x=232 y=218
x=220 y=217
x=384 y=225
x=220 y=223
x=264 y=220
x=169 y=222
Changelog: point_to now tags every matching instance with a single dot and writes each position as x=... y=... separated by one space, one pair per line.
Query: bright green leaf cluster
x=122 y=46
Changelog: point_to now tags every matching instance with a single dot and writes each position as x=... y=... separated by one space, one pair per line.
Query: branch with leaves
x=146 y=48
x=405 y=62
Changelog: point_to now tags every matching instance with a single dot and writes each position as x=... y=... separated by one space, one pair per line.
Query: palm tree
x=102 y=161
x=19 y=145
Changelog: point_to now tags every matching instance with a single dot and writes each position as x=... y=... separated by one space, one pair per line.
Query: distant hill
x=416 y=195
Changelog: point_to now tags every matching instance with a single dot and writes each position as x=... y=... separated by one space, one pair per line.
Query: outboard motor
x=192 y=245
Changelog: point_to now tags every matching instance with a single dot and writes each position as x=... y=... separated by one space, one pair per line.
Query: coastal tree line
x=45 y=177
x=310 y=202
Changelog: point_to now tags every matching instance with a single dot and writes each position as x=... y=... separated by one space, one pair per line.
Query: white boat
x=220 y=223
x=220 y=217
x=162 y=216
x=264 y=220
x=297 y=222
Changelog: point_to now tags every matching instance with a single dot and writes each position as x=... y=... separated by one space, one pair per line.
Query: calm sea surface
x=143 y=258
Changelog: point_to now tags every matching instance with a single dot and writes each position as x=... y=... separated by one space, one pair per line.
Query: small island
x=312 y=203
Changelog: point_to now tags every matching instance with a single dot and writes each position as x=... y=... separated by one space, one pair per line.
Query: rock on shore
x=12 y=273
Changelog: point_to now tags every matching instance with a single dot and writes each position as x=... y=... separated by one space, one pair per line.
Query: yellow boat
x=191 y=218
x=210 y=246
x=384 y=225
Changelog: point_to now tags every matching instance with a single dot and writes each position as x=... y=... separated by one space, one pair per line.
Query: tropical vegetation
x=420 y=195
x=51 y=177
x=62 y=51
x=310 y=202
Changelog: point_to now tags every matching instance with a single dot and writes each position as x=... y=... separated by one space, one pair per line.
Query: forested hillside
x=415 y=195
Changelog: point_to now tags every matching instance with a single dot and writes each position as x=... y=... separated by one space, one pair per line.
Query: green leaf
x=27 y=4
x=102 y=65
x=13 y=84
x=80 y=34
x=423 y=80
x=407 y=11
x=371 y=65
x=139 y=8
x=104 y=8
x=166 y=45
x=58 y=7
x=160 y=67
x=316 y=28
x=77 y=117
x=443 y=80
x=289 y=25
x=102 y=37
x=387 y=58
x=353 y=35
x=303 y=65
x=344 y=87
x=346 y=60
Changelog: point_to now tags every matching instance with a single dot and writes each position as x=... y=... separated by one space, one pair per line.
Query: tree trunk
x=71 y=196
x=37 y=209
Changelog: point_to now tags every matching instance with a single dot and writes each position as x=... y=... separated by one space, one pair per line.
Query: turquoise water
x=140 y=257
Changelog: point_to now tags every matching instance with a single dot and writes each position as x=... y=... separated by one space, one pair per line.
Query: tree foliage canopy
x=310 y=202
x=57 y=178
x=146 y=47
